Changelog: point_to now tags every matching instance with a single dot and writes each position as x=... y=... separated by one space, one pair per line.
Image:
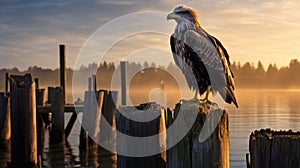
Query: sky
x=251 y=30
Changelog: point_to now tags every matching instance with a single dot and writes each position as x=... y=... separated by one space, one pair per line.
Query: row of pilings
x=27 y=110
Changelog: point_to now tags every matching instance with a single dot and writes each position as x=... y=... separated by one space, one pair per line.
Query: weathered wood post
x=5 y=131
x=57 y=133
x=214 y=151
x=94 y=78
x=140 y=129
x=123 y=65
x=40 y=97
x=6 y=82
x=89 y=132
x=50 y=90
x=180 y=154
x=274 y=149
x=108 y=112
x=93 y=103
x=107 y=125
x=40 y=94
x=113 y=107
x=23 y=125
x=190 y=152
x=37 y=83
x=90 y=84
x=62 y=63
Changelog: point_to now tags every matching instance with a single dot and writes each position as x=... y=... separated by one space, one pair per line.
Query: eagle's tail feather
x=228 y=95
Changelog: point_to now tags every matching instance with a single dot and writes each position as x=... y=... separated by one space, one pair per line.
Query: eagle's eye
x=182 y=12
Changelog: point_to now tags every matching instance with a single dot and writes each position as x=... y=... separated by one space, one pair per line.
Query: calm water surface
x=278 y=110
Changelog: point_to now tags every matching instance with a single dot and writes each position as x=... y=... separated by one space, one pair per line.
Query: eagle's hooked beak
x=172 y=16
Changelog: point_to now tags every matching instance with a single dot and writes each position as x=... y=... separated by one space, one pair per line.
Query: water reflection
x=278 y=110
x=4 y=155
x=56 y=155
x=89 y=157
x=70 y=155
x=97 y=157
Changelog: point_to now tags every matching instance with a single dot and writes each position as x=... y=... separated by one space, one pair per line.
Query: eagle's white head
x=186 y=18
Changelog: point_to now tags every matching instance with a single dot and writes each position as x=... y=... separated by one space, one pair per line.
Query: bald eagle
x=193 y=48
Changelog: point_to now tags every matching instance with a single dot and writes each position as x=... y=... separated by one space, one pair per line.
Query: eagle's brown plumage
x=197 y=51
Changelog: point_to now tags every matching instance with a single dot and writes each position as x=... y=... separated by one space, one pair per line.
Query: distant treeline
x=247 y=75
x=250 y=76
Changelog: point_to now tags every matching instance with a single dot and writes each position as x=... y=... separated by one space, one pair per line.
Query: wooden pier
x=22 y=107
x=23 y=122
x=23 y=102
x=24 y=117
x=57 y=132
x=5 y=131
x=274 y=149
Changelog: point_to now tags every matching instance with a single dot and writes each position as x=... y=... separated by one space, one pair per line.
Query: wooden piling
x=23 y=125
x=62 y=63
x=90 y=84
x=37 y=83
x=104 y=113
x=57 y=133
x=40 y=97
x=213 y=152
x=108 y=114
x=40 y=93
x=6 y=82
x=140 y=129
x=274 y=149
x=94 y=78
x=40 y=100
x=190 y=152
x=180 y=154
x=113 y=107
x=93 y=103
x=123 y=65
x=5 y=130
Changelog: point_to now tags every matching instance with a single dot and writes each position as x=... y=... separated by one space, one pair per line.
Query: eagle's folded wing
x=205 y=49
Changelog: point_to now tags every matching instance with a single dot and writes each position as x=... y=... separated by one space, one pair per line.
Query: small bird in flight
x=201 y=57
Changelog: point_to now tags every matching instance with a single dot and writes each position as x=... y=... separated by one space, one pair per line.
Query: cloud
x=34 y=28
x=117 y=2
x=250 y=30
x=258 y=30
